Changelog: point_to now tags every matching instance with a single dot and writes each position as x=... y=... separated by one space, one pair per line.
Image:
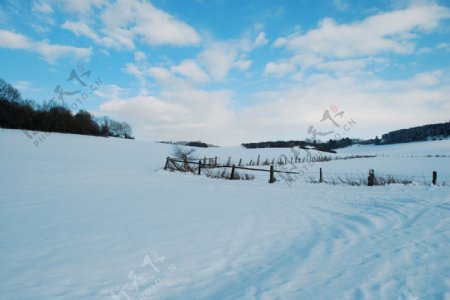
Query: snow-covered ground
x=93 y=218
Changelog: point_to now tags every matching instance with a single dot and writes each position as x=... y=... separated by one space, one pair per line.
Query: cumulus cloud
x=191 y=70
x=219 y=58
x=14 y=40
x=181 y=112
x=123 y=22
x=376 y=105
x=50 y=52
x=391 y=32
x=151 y=25
x=178 y=114
x=279 y=68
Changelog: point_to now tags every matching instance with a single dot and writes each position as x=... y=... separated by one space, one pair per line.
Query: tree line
x=289 y=144
x=415 y=134
x=18 y=113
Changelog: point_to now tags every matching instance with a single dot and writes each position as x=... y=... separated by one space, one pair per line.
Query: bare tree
x=8 y=92
x=183 y=153
x=127 y=133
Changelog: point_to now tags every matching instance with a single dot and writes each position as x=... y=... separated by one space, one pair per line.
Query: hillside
x=97 y=218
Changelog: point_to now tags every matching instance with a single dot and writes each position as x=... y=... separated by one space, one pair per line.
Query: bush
x=223 y=173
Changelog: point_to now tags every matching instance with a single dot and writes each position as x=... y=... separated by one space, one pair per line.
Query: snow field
x=82 y=217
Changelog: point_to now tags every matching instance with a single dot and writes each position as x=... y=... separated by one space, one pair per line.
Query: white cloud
x=427 y=79
x=387 y=32
x=348 y=66
x=82 y=29
x=279 y=68
x=146 y=110
x=117 y=38
x=53 y=52
x=261 y=40
x=242 y=64
x=166 y=79
x=124 y=21
x=50 y=52
x=111 y=92
x=140 y=56
x=81 y=6
x=42 y=7
x=151 y=25
x=134 y=70
x=13 y=40
x=181 y=114
x=191 y=70
x=42 y=19
x=219 y=58
x=376 y=105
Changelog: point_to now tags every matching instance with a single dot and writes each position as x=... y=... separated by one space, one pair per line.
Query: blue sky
x=228 y=71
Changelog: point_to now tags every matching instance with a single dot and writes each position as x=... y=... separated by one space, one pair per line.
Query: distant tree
x=127 y=133
x=197 y=144
x=8 y=92
x=53 y=116
x=105 y=125
x=84 y=124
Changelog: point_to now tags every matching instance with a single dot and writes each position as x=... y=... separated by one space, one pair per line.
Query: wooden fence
x=176 y=164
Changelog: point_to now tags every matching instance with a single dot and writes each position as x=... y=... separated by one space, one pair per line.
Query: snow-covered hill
x=93 y=218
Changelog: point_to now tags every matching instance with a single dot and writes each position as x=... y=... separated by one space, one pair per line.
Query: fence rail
x=172 y=163
x=176 y=164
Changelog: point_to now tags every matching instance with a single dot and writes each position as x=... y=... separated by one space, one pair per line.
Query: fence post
x=272 y=177
x=321 y=177
x=167 y=163
x=232 y=172
x=434 y=177
x=257 y=162
x=199 y=167
x=215 y=161
x=186 y=165
x=371 y=178
x=240 y=160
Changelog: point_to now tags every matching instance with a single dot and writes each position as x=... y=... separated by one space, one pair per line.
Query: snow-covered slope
x=93 y=218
